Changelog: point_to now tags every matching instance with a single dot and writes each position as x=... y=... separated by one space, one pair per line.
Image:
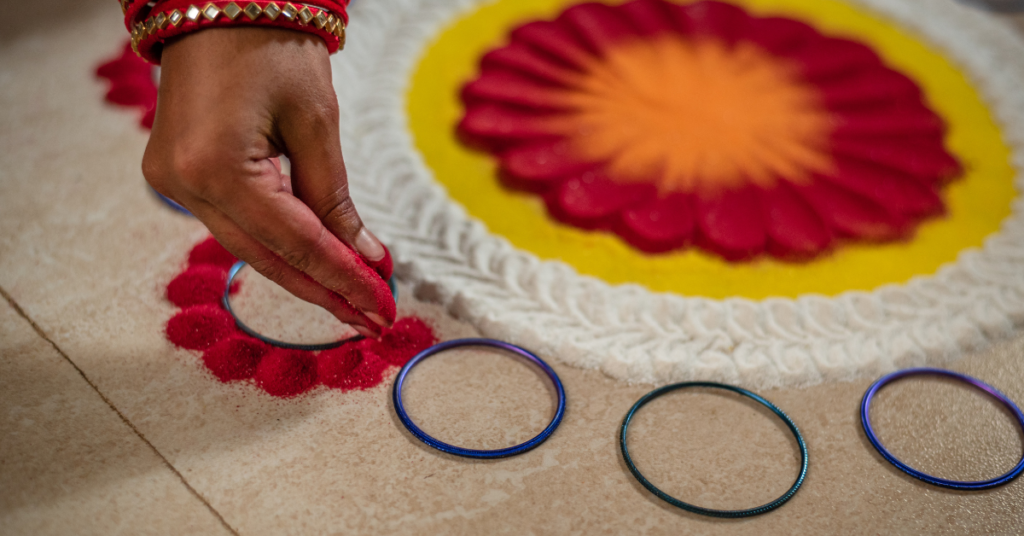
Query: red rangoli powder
x=210 y=251
x=199 y=284
x=200 y=327
x=286 y=373
x=235 y=358
x=231 y=355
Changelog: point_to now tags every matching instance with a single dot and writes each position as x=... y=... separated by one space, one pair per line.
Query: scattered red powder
x=203 y=283
x=408 y=337
x=200 y=327
x=231 y=355
x=286 y=373
x=335 y=367
x=210 y=251
x=235 y=358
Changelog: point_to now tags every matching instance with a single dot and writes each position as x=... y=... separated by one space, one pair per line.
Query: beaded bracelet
x=171 y=18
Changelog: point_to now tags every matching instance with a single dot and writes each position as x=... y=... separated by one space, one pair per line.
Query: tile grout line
x=39 y=331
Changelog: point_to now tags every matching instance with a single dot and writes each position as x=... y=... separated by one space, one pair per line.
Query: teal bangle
x=697 y=509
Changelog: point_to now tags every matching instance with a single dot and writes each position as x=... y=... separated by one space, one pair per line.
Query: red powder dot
x=370 y=372
x=286 y=373
x=408 y=337
x=199 y=284
x=199 y=327
x=210 y=251
x=334 y=367
x=235 y=358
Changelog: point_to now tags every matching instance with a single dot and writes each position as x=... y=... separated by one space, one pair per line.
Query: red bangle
x=171 y=18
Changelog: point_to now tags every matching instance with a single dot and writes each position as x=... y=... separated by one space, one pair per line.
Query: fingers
x=282 y=223
x=264 y=261
x=310 y=135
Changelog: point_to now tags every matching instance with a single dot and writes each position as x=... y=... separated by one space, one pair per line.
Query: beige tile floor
x=106 y=428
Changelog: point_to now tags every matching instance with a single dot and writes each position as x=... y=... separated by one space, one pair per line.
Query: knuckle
x=269 y=269
x=302 y=256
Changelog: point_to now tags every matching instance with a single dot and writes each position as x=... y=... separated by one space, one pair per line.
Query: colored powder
x=235 y=358
x=210 y=251
x=370 y=371
x=203 y=283
x=286 y=373
x=408 y=337
x=335 y=367
x=203 y=324
x=200 y=327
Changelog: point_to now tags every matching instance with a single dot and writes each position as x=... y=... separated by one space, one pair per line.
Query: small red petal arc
x=228 y=354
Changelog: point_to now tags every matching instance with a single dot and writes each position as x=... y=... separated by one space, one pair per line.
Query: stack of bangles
x=153 y=22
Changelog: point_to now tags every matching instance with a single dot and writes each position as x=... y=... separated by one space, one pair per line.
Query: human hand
x=231 y=101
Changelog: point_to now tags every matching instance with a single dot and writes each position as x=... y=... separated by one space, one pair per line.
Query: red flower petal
x=128 y=64
x=851 y=214
x=589 y=200
x=139 y=92
x=712 y=19
x=554 y=41
x=794 y=229
x=873 y=87
x=659 y=225
x=830 y=58
x=525 y=60
x=929 y=162
x=893 y=190
x=648 y=17
x=731 y=223
x=542 y=162
x=504 y=86
x=780 y=35
x=905 y=121
x=598 y=25
x=503 y=125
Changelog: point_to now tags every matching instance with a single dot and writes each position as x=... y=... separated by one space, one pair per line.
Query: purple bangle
x=865 y=407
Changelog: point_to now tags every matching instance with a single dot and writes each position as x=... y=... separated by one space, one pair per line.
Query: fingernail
x=365 y=331
x=377 y=319
x=368 y=246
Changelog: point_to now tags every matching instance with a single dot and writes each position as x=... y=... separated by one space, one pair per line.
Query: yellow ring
x=976 y=203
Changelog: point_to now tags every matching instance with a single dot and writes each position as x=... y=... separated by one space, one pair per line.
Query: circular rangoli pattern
x=861 y=310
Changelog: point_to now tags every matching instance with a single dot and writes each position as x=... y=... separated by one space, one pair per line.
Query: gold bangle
x=301 y=14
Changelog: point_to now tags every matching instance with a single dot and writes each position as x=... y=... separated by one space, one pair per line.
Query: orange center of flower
x=697 y=116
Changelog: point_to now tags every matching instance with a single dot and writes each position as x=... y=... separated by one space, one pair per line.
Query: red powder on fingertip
x=210 y=251
x=384 y=267
x=200 y=327
x=286 y=373
x=235 y=358
x=203 y=283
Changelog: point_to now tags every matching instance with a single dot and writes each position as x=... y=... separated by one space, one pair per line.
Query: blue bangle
x=226 y=301
x=396 y=395
x=697 y=509
x=170 y=202
x=865 y=407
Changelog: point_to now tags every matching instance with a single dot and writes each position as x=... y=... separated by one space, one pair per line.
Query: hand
x=231 y=101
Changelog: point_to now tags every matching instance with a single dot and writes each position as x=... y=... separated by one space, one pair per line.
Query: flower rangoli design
x=699 y=124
